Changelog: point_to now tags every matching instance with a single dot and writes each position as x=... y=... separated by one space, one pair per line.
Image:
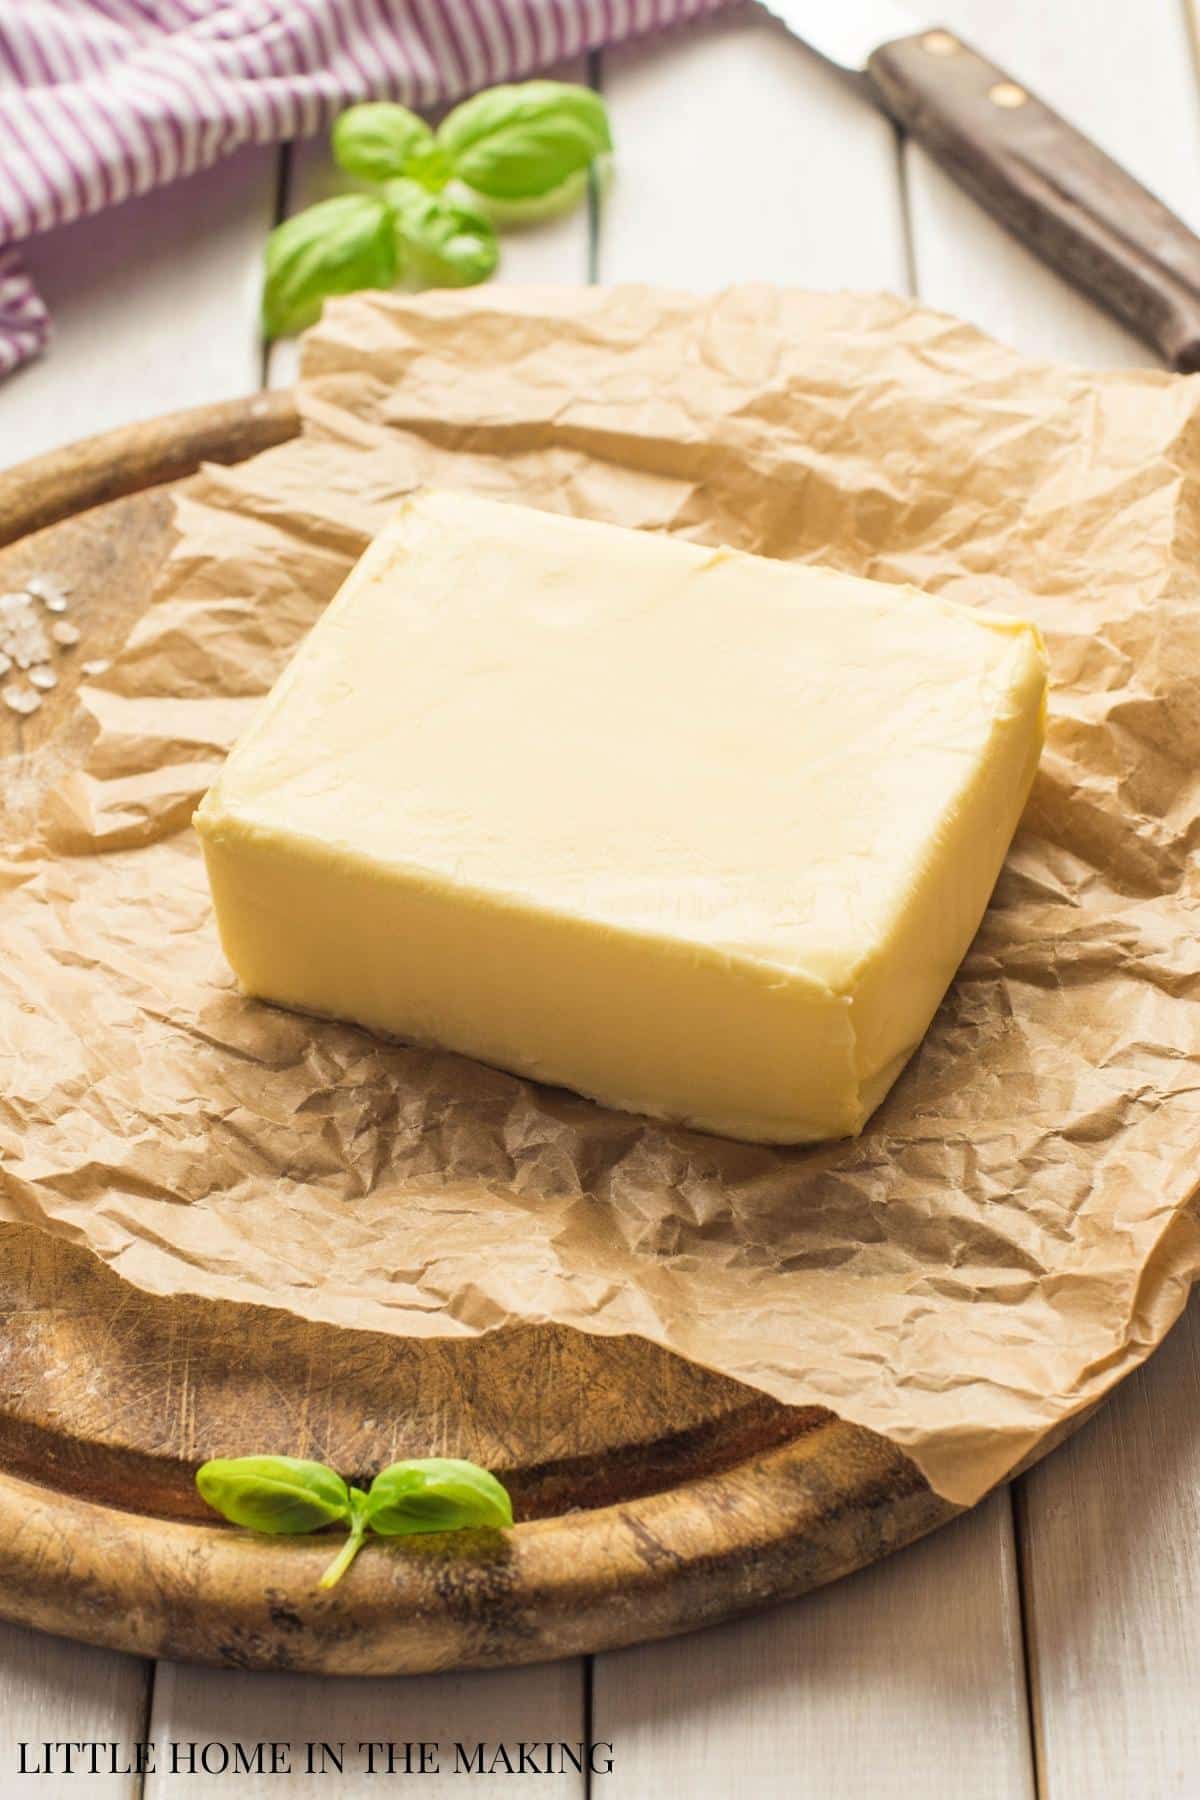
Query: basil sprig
x=522 y=143
x=283 y=1496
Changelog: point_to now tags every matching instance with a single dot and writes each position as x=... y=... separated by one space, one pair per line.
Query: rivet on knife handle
x=1052 y=187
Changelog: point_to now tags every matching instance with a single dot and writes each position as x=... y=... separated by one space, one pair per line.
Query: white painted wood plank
x=154 y=306
x=741 y=157
x=51 y=1690
x=906 y=1679
x=1111 y=1566
x=1122 y=70
x=510 y=1706
x=553 y=250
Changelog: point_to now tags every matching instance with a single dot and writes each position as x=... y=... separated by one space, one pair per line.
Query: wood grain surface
x=651 y=1496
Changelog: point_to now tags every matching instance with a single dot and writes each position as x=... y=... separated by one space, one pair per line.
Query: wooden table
x=1047 y=1643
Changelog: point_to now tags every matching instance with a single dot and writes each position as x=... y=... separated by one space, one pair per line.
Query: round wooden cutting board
x=651 y=1496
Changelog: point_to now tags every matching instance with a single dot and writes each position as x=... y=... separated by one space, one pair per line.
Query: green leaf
x=375 y=141
x=275 y=1494
x=335 y=247
x=441 y=243
x=436 y=1494
x=514 y=143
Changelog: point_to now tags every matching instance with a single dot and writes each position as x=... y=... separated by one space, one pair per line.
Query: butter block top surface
x=759 y=759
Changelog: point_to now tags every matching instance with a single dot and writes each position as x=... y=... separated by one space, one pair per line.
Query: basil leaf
x=515 y=143
x=275 y=1494
x=435 y=1494
x=335 y=247
x=441 y=243
x=377 y=139
x=517 y=214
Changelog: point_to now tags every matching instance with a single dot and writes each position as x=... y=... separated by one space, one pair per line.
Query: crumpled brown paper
x=1011 y=1234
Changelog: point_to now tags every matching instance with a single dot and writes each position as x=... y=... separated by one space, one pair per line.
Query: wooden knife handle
x=1049 y=185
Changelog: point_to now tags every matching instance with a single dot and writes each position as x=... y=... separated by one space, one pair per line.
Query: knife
x=1051 y=186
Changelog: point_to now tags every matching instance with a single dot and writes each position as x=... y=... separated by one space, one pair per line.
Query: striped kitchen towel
x=103 y=99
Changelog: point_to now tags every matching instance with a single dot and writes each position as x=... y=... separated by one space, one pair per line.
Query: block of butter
x=695 y=833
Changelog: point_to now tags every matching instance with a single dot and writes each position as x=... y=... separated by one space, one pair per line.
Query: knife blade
x=845 y=32
x=1054 y=189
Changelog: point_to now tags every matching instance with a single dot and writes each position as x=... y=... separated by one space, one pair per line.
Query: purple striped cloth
x=103 y=99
